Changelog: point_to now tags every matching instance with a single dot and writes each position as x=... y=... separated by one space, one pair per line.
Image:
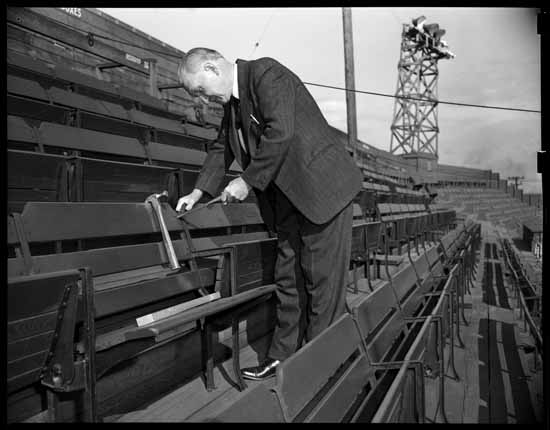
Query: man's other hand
x=237 y=189
x=189 y=200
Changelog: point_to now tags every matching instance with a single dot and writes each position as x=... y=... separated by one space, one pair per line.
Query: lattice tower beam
x=414 y=128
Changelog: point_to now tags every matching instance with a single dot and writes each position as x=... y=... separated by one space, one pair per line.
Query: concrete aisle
x=498 y=382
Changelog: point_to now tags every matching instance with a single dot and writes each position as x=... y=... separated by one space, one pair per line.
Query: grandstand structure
x=119 y=310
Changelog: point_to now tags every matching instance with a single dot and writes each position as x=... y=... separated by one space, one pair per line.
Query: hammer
x=154 y=200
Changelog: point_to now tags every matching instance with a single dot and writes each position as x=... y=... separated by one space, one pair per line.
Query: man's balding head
x=196 y=57
x=205 y=73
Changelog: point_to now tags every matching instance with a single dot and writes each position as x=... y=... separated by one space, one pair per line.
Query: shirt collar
x=235 y=92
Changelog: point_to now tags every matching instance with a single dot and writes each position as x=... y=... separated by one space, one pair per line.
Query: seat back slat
x=92 y=220
x=298 y=381
x=217 y=215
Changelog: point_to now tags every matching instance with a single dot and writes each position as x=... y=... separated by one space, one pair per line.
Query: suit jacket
x=292 y=145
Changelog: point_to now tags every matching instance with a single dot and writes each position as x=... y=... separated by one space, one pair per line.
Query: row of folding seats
x=108 y=167
x=61 y=76
x=223 y=254
x=29 y=98
x=369 y=365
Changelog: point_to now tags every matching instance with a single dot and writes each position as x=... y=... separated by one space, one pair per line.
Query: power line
x=262 y=35
x=421 y=99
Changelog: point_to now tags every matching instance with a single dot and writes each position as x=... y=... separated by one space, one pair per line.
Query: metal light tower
x=414 y=127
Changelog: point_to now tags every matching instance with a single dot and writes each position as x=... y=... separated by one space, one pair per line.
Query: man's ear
x=211 y=67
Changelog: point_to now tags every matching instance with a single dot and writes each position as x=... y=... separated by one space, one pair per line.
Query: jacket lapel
x=246 y=106
x=233 y=137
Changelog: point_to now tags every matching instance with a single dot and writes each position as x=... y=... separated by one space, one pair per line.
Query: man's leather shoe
x=264 y=371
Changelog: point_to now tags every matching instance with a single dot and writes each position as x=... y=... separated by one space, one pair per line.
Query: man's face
x=209 y=84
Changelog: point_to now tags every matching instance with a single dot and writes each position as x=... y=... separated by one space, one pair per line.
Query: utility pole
x=350 y=81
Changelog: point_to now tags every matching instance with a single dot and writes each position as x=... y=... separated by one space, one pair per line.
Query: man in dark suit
x=302 y=176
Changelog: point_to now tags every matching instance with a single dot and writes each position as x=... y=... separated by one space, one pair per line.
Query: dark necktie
x=237 y=107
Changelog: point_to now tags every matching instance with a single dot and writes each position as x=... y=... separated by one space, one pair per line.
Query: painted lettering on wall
x=137 y=60
x=75 y=11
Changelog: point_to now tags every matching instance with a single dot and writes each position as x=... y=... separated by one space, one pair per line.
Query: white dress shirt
x=235 y=94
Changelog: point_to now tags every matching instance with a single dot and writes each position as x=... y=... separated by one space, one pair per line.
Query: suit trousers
x=311 y=273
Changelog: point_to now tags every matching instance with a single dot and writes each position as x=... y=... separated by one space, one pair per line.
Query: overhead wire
x=262 y=35
x=423 y=99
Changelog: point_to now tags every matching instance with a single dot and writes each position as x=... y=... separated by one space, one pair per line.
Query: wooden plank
x=29 y=345
x=50 y=51
x=60 y=72
x=26 y=364
x=176 y=154
x=334 y=406
x=191 y=402
x=33 y=170
x=141 y=97
x=373 y=308
x=298 y=381
x=173 y=310
x=109 y=181
x=26 y=88
x=22 y=61
x=157 y=122
x=214 y=242
x=34 y=110
x=31 y=326
x=259 y=404
x=42 y=220
x=87 y=140
x=20 y=381
x=80 y=101
x=113 y=300
x=17 y=198
x=205 y=310
x=403 y=281
x=218 y=215
x=94 y=20
x=70 y=76
x=42 y=294
x=30 y=20
x=19 y=130
x=383 y=208
x=103 y=261
x=421 y=266
x=172 y=126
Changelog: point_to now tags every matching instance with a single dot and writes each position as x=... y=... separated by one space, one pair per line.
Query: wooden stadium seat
x=131 y=280
x=258 y=404
x=327 y=391
x=35 y=176
x=44 y=312
x=26 y=88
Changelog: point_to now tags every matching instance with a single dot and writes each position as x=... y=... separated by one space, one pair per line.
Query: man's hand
x=189 y=200
x=237 y=189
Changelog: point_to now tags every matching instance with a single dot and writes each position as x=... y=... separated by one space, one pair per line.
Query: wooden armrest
x=158 y=327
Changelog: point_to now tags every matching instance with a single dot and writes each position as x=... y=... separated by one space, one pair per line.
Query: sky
x=497 y=63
